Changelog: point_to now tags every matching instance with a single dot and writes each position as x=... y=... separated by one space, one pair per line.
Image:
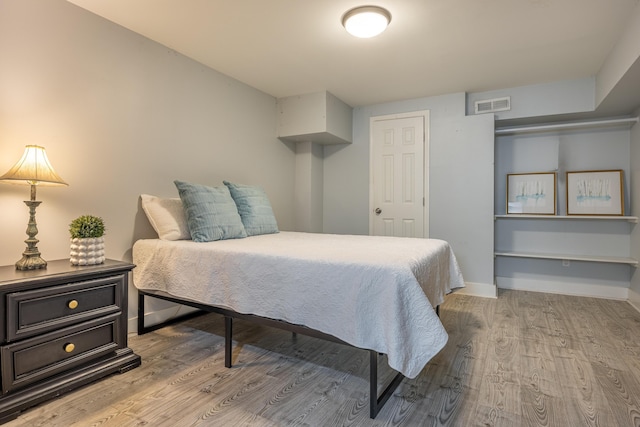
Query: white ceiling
x=432 y=47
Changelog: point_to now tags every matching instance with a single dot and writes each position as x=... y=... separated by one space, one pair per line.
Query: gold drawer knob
x=72 y=304
x=69 y=347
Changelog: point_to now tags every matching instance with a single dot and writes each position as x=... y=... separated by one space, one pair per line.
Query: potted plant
x=87 y=241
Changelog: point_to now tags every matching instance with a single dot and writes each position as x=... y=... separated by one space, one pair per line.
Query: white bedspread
x=372 y=292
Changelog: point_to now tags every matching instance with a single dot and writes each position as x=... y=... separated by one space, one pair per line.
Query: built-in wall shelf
x=627 y=121
x=570 y=257
x=531 y=251
x=631 y=219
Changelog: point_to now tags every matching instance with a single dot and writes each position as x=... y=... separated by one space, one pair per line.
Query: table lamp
x=33 y=169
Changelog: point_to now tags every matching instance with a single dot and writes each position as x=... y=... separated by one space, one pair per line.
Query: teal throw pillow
x=211 y=212
x=254 y=209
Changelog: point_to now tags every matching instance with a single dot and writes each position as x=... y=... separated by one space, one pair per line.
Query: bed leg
x=373 y=384
x=228 y=340
x=141 y=329
x=376 y=403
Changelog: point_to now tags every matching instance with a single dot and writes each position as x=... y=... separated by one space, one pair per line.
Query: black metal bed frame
x=376 y=402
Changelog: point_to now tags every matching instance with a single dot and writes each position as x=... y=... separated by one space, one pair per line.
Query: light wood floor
x=524 y=359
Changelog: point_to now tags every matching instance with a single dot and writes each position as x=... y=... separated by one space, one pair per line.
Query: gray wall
x=621 y=57
x=119 y=116
x=308 y=187
x=461 y=209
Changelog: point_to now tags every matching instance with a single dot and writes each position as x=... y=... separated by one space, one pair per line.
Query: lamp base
x=31 y=262
x=31 y=256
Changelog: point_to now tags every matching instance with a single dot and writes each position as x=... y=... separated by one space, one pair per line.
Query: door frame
x=425 y=164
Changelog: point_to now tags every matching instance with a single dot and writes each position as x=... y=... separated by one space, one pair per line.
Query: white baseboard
x=132 y=325
x=484 y=290
x=566 y=288
x=634 y=299
x=159 y=316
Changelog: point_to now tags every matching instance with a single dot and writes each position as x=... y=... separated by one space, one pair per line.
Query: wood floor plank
x=522 y=359
x=500 y=387
x=539 y=409
x=622 y=392
x=584 y=398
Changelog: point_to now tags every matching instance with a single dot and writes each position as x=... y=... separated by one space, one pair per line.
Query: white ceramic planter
x=87 y=251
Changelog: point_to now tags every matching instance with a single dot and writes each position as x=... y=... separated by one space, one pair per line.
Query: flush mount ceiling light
x=366 y=21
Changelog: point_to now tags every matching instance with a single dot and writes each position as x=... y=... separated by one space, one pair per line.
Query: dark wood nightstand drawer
x=42 y=312
x=36 y=311
x=33 y=359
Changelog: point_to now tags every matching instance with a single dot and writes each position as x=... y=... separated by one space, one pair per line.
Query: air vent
x=493 y=105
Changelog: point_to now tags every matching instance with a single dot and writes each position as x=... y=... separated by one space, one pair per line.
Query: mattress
x=372 y=292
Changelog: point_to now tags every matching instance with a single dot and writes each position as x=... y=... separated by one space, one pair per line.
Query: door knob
x=378 y=211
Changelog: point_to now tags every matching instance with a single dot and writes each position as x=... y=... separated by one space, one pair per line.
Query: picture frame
x=598 y=192
x=531 y=193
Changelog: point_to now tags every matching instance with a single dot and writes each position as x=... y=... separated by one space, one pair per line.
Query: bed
x=376 y=293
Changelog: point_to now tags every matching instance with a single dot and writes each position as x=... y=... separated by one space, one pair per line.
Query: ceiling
x=432 y=47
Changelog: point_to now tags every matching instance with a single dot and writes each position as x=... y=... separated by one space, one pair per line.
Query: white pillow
x=166 y=216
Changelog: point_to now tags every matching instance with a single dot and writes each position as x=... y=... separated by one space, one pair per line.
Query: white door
x=398 y=201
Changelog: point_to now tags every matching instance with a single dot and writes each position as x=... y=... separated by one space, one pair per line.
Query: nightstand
x=60 y=328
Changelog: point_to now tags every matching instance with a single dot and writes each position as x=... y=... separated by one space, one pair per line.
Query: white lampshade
x=34 y=168
x=366 y=21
